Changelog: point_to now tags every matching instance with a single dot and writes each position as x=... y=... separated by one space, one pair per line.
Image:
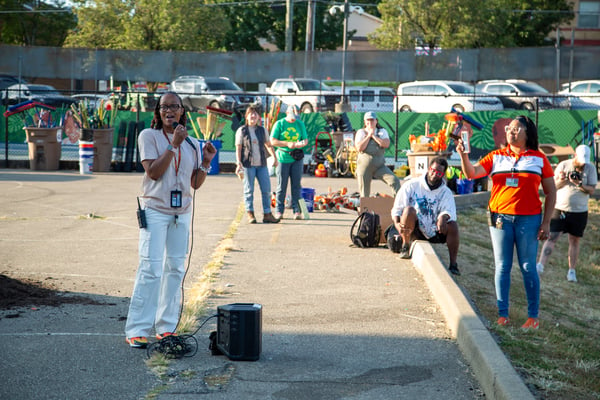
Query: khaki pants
x=373 y=167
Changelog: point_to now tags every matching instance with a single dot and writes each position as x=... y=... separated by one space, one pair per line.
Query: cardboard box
x=381 y=205
x=419 y=162
x=420 y=147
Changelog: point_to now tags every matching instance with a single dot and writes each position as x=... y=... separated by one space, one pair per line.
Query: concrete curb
x=494 y=372
x=479 y=199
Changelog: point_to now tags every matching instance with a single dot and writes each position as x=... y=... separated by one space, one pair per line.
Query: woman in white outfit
x=171 y=168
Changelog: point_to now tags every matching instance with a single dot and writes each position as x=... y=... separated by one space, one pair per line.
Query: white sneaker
x=540 y=268
x=571 y=277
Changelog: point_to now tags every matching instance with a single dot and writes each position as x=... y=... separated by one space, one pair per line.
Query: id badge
x=512 y=182
x=176 y=198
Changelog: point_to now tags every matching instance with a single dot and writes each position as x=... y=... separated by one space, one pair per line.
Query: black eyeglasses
x=169 y=107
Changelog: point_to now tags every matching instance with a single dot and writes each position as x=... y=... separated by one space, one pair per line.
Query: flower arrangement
x=437 y=142
x=88 y=117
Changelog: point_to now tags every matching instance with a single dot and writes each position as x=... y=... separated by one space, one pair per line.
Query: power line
x=35 y=11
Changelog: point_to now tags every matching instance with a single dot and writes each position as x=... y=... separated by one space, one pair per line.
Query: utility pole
x=557 y=45
x=343 y=105
x=289 y=24
x=310 y=26
x=310 y=33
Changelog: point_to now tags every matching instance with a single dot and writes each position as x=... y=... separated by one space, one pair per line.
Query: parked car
x=588 y=91
x=522 y=95
x=45 y=94
x=370 y=98
x=5 y=82
x=442 y=96
x=309 y=95
x=197 y=92
x=9 y=80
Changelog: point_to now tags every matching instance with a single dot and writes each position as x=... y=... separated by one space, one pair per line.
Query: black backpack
x=366 y=230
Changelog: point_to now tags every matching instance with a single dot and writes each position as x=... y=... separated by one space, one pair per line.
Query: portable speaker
x=239 y=334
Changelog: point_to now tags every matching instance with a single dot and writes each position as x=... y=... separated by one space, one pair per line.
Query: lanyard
x=177 y=158
x=517 y=158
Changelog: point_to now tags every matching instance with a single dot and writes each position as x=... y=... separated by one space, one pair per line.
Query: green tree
x=250 y=21
x=468 y=23
x=100 y=25
x=34 y=23
x=149 y=25
x=328 y=33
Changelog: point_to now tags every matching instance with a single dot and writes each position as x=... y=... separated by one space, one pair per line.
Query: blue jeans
x=520 y=231
x=293 y=172
x=264 y=182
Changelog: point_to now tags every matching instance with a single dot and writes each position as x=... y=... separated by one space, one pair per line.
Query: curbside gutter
x=494 y=372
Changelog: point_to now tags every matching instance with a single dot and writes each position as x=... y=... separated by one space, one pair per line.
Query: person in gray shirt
x=575 y=181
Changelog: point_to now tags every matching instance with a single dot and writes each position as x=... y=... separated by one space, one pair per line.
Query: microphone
x=187 y=139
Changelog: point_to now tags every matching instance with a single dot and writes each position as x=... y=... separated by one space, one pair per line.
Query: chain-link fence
x=548 y=66
x=558 y=127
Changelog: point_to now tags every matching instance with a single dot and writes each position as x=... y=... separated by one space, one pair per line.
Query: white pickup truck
x=309 y=95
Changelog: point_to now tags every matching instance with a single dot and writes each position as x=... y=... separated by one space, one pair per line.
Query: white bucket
x=86 y=157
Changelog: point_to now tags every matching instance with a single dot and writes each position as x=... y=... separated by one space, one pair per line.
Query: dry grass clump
x=562 y=359
x=194 y=306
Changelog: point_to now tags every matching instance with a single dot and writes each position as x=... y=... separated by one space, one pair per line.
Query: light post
x=343 y=105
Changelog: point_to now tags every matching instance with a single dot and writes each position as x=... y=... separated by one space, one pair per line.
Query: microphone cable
x=178 y=346
x=189 y=258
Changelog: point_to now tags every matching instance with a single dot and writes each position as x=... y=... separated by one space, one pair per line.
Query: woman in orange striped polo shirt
x=515 y=208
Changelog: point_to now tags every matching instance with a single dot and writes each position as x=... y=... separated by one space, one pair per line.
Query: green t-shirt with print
x=288 y=132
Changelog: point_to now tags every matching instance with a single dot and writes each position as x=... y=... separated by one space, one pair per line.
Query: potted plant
x=42 y=131
x=96 y=124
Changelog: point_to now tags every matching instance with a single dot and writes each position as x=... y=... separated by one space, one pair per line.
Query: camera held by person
x=575 y=175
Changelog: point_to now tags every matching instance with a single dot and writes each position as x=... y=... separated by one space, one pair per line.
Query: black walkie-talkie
x=141 y=216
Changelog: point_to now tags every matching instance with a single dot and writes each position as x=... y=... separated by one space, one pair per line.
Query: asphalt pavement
x=338 y=322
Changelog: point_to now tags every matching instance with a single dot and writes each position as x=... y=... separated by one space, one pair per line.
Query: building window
x=589 y=14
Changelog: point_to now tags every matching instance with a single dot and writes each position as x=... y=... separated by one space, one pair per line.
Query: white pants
x=156 y=295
